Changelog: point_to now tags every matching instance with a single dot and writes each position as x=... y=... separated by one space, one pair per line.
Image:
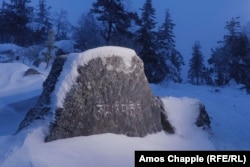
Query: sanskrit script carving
x=104 y=110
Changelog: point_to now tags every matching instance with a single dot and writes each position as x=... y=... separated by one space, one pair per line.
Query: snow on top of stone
x=107 y=51
x=69 y=74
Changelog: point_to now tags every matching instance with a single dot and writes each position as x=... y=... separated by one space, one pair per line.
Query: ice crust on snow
x=69 y=74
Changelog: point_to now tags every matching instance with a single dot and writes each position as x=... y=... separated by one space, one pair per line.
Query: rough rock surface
x=108 y=97
x=203 y=119
x=31 y=72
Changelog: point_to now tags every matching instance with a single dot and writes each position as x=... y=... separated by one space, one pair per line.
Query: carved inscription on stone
x=105 y=110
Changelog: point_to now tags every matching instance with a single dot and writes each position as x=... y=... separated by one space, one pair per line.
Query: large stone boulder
x=103 y=90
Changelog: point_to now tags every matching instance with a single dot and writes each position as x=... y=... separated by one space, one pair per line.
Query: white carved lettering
x=103 y=110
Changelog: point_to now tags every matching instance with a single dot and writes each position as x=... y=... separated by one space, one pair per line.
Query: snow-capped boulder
x=102 y=90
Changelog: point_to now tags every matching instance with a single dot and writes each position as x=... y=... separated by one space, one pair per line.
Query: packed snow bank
x=16 y=87
x=228 y=108
x=17 y=95
x=105 y=149
x=111 y=149
x=183 y=114
x=9 y=47
x=8 y=52
x=12 y=114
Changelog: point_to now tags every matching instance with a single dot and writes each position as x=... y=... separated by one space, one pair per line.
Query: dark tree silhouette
x=167 y=49
x=154 y=63
x=114 y=21
x=230 y=60
x=86 y=33
x=196 y=65
x=15 y=18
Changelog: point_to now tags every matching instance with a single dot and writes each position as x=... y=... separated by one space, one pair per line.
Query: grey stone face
x=107 y=99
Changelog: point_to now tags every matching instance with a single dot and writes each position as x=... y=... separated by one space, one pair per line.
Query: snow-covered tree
x=154 y=63
x=165 y=35
x=15 y=17
x=114 y=20
x=220 y=67
x=196 y=65
x=43 y=21
x=61 y=24
x=86 y=33
x=48 y=55
x=167 y=49
x=229 y=60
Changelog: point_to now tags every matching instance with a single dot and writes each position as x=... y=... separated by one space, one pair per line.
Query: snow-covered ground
x=227 y=107
x=17 y=94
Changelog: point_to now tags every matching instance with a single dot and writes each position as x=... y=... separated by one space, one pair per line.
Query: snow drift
x=228 y=108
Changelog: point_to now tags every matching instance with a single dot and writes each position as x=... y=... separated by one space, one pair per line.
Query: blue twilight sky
x=202 y=20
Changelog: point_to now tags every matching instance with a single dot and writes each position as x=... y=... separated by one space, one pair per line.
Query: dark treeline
x=25 y=25
x=230 y=60
x=22 y=24
x=111 y=23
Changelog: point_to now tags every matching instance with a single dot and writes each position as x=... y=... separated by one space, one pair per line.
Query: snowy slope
x=226 y=106
x=13 y=82
x=9 y=51
x=109 y=149
x=9 y=47
x=17 y=94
